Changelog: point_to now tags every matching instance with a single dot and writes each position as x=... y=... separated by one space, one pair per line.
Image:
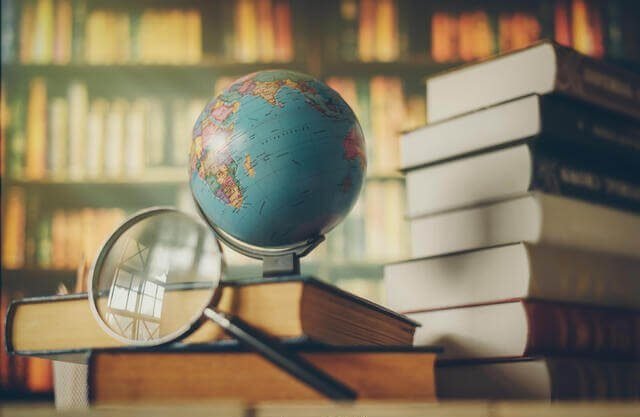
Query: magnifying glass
x=157 y=278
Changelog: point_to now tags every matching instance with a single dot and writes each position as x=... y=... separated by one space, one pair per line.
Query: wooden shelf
x=212 y=69
x=416 y=69
x=129 y=193
x=140 y=79
x=37 y=281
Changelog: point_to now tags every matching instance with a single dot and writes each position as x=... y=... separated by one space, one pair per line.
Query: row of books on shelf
x=61 y=239
x=37 y=235
x=524 y=227
x=75 y=137
x=65 y=31
x=78 y=137
x=389 y=30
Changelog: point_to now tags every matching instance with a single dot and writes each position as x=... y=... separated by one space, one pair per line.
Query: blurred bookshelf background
x=99 y=98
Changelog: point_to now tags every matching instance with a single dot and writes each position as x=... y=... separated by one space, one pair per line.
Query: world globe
x=276 y=159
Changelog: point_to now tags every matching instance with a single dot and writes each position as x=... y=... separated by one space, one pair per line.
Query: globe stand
x=276 y=261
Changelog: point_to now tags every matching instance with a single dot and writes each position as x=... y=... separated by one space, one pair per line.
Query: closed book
x=550 y=119
x=8 y=31
x=36 y=150
x=219 y=371
x=539 y=378
x=532 y=218
x=518 y=270
x=297 y=307
x=62 y=48
x=134 y=132
x=95 y=146
x=530 y=327
x=114 y=146
x=78 y=97
x=78 y=30
x=14 y=228
x=42 y=38
x=542 y=68
x=58 y=137
x=519 y=169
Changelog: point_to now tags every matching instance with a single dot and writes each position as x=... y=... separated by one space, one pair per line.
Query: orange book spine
x=444 y=37
x=387 y=41
x=39 y=375
x=284 y=38
x=561 y=23
x=367 y=30
x=266 y=26
x=62 y=32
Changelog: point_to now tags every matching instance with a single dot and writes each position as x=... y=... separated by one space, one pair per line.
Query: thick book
x=539 y=378
x=545 y=67
x=216 y=372
x=530 y=327
x=303 y=308
x=532 y=218
x=518 y=270
x=549 y=120
x=516 y=170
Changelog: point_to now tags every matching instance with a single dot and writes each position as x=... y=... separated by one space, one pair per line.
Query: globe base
x=283 y=265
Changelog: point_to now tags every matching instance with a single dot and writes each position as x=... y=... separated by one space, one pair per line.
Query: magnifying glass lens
x=155 y=276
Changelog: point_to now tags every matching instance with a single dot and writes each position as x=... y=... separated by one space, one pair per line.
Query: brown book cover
x=223 y=370
x=300 y=307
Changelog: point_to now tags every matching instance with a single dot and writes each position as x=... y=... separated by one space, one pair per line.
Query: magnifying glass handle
x=276 y=354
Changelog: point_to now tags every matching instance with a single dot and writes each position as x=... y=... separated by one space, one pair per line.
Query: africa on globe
x=276 y=159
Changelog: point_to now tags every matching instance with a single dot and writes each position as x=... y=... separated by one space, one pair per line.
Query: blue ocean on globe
x=276 y=159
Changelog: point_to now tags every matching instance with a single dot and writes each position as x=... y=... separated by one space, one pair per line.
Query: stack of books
x=523 y=194
x=352 y=339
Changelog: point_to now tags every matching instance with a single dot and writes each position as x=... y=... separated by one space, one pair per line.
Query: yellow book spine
x=386 y=31
x=580 y=25
x=13 y=230
x=36 y=129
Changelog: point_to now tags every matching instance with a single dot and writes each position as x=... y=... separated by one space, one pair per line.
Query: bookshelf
x=377 y=53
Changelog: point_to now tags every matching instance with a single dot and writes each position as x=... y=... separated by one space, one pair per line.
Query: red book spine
x=577 y=330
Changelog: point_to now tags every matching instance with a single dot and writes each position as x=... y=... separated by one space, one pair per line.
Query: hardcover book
x=287 y=308
x=539 y=378
x=216 y=371
x=525 y=328
x=549 y=120
x=536 y=218
x=507 y=272
x=543 y=68
x=519 y=169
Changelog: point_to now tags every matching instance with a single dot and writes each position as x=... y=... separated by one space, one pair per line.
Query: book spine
x=9 y=32
x=576 y=379
x=78 y=30
x=583 y=181
x=603 y=132
x=596 y=82
x=559 y=329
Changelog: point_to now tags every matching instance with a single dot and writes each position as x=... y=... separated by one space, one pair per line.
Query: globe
x=276 y=159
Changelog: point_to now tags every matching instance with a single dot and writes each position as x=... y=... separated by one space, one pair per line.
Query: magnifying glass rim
x=184 y=331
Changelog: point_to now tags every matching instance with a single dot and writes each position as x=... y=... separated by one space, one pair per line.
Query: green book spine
x=77 y=42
